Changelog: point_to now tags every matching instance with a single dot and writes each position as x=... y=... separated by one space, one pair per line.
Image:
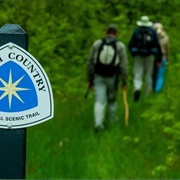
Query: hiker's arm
x=159 y=51
x=123 y=64
x=132 y=45
x=167 y=48
x=90 y=67
x=90 y=62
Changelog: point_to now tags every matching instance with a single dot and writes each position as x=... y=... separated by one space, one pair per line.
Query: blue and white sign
x=26 y=97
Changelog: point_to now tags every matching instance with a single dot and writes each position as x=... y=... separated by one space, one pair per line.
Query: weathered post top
x=12 y=29
x=13 y=32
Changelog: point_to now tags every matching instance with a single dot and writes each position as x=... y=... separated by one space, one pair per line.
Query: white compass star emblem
x=10 y=89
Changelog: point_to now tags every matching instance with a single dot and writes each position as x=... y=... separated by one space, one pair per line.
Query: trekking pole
x=126 y=107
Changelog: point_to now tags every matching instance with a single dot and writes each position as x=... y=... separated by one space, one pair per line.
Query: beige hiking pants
x=143 y=66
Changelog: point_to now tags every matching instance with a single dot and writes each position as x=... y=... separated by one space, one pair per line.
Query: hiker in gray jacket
x=107 y=61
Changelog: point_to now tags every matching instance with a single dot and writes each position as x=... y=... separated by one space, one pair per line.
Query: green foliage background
x=61 y=33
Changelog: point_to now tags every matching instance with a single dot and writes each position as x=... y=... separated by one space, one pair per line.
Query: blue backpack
x=143 y=42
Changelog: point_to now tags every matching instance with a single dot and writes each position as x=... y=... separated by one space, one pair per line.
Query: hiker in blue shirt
x=106 y=62
x=144 y=47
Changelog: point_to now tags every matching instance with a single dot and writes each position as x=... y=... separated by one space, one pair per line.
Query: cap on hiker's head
x=144 y=22
x=112 y=28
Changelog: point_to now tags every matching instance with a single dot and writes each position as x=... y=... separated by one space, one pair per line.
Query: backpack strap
x=100 y=48
x=115 y=51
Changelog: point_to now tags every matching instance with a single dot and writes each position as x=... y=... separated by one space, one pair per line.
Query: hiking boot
x=137 y=94
x=98 y=129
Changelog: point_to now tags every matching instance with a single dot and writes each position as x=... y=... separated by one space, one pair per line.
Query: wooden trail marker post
x=26 y=99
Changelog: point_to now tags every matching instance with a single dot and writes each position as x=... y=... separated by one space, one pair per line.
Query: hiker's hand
x=123 y=87
x=159 y=64
x=90 y=84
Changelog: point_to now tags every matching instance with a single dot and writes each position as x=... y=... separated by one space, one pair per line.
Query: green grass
x=66 y=147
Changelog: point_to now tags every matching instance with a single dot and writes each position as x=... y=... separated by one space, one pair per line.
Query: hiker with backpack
x=164 y=43
x=145 y=48
x=107 y=62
